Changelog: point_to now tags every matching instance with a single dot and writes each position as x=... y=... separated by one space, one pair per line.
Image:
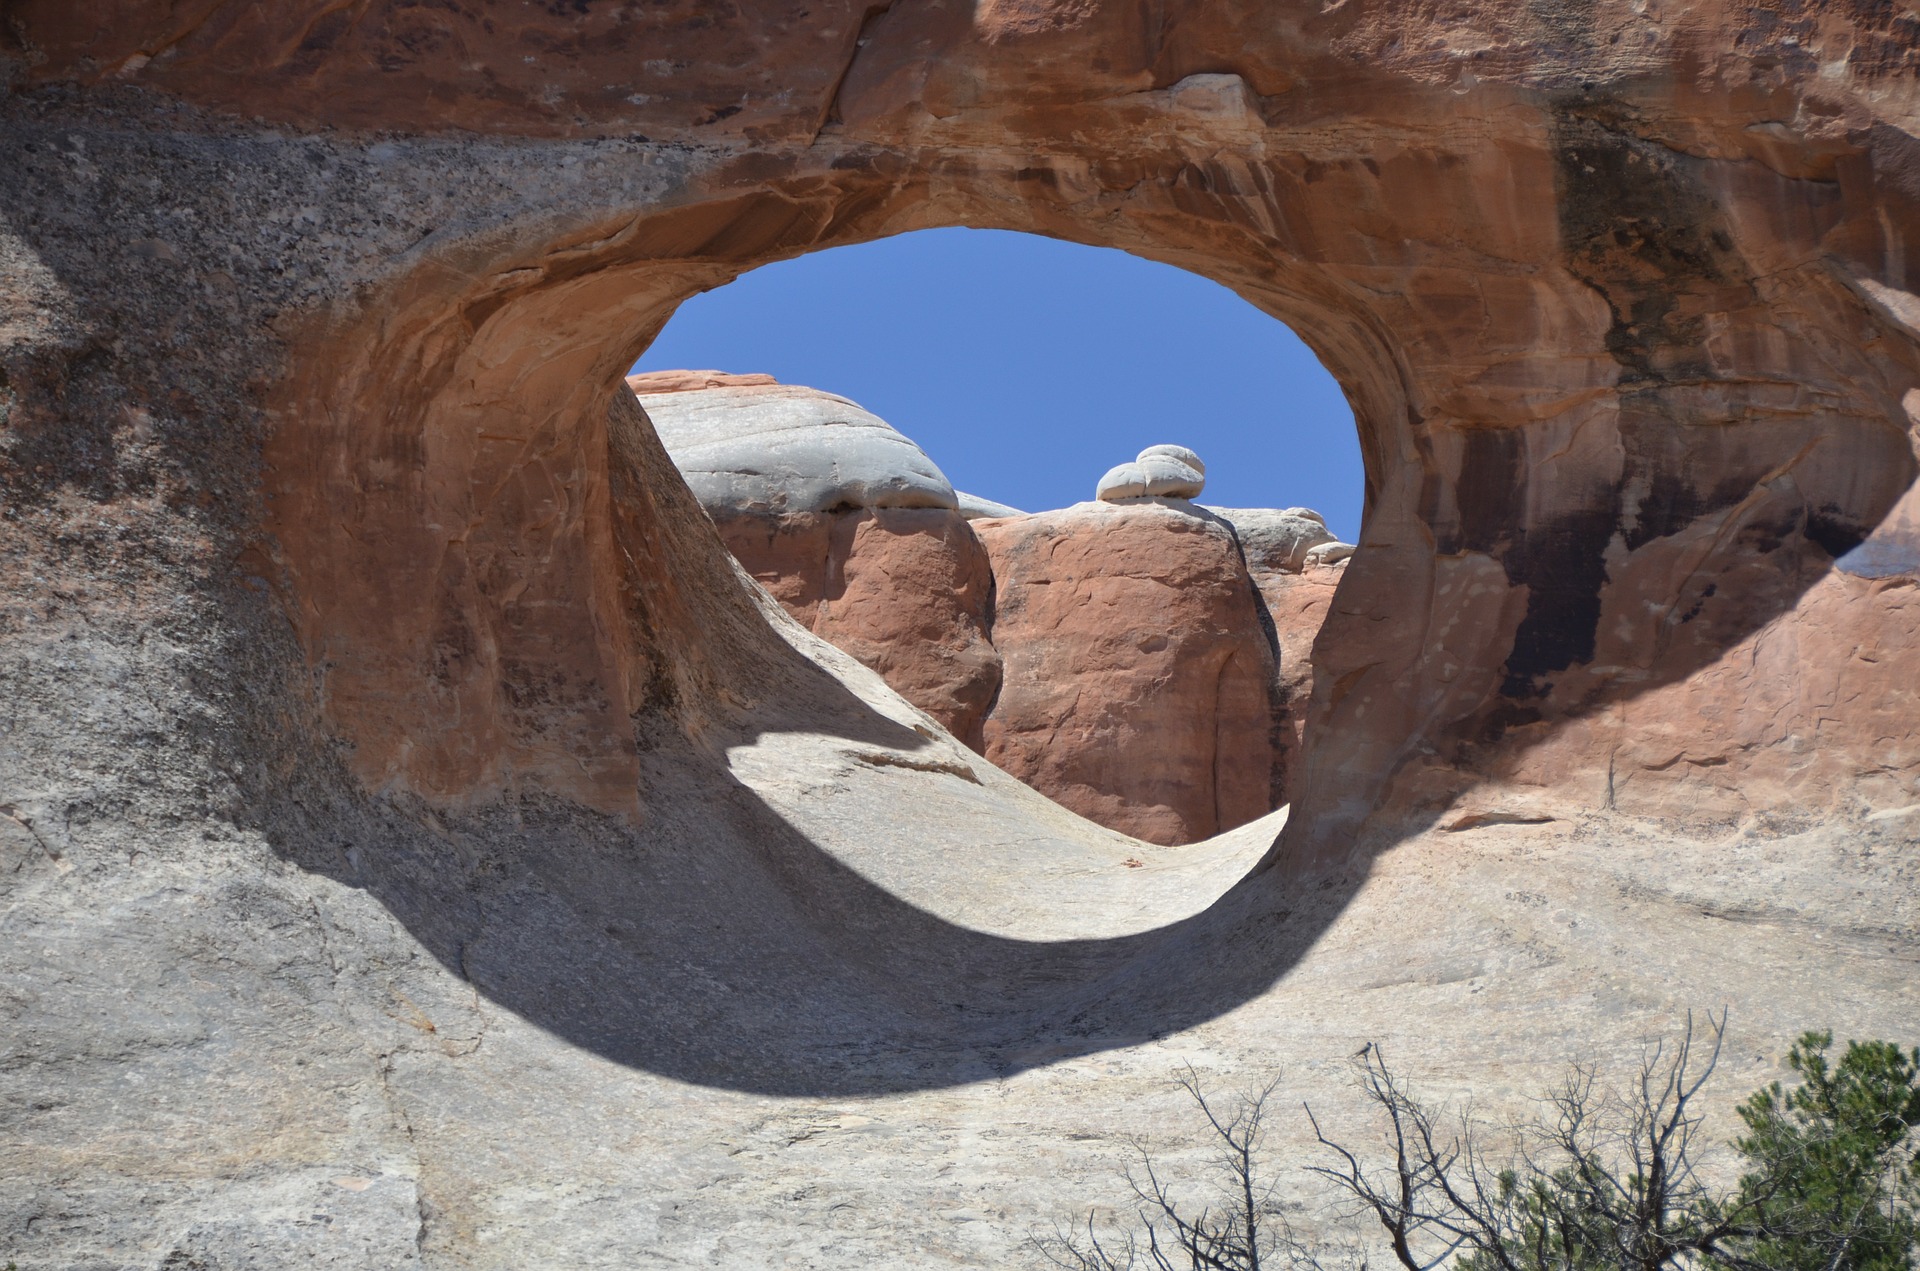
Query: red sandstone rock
x=1138 y=674
x=905 y=590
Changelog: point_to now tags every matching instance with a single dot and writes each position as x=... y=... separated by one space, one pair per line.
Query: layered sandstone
x=1138 y=673
x=1125 y=654
x=907 y=591
x=1621 y=304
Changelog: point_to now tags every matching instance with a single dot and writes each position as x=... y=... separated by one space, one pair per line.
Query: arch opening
x=1142 y=658
x=1025 y=366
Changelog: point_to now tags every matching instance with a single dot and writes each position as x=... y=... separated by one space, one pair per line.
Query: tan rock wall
x=1297 y=604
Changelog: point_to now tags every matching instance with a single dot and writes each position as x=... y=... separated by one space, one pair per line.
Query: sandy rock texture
x=849 y=525
x=907 y=591
x=1171 y=472
x=975 y=508
x=1138 y=673
x=422 y=849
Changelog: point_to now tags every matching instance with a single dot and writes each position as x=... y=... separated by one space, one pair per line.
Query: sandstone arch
x=1630 y=359
x=1598 y=333
x=1602 y=452
x=312 y=314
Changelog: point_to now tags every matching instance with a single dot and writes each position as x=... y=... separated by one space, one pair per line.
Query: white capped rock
x=1276 y=538
x=1170 y=478
x=1330 y=553
x=1124 y=481
x=1165 y=472
x=764 y=446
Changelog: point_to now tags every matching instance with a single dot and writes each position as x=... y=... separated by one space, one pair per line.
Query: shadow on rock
x=718 y=945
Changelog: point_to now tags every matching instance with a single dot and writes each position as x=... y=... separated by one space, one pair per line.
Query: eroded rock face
x=1138 y=674
x=1143 y=693
x=1621 y=304
x=1297 y=603
x=848 y=523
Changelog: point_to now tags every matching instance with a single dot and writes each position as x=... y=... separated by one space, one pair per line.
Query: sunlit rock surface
x=771 y=447
x=1124 y=654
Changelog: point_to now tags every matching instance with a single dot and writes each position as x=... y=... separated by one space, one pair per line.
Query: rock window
x=1124 y=643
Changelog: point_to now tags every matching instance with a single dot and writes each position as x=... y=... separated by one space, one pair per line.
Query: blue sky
x=1026 y=367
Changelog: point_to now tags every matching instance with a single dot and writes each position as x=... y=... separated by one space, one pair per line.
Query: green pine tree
x=1834 y=1163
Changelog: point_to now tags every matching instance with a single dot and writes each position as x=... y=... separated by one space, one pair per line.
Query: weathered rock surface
x=907 y=591
x=1276 y=540
x=1286 y=554
x=1539 y=463
x=1138 y=675
x=1172 y=472
x=419 y=853
x=1172 y=743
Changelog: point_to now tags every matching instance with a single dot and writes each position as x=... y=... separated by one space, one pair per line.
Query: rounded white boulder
x=1170 y=478
x=750 y=444
x=1124 y=481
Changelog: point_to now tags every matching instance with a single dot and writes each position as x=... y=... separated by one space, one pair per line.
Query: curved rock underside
x=847 y=523
x=409 y=821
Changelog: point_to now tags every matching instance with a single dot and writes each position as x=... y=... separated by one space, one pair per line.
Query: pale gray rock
x=1169 y=478
x=975 y=508
x=1276 y=539
x=1122 y=481
x=786 y=448
x=1171 y=472
x=1180 y=453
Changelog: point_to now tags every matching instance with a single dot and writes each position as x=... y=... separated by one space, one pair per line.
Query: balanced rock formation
x=1138 y=675
x=849 y=524
x=1157 y=472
